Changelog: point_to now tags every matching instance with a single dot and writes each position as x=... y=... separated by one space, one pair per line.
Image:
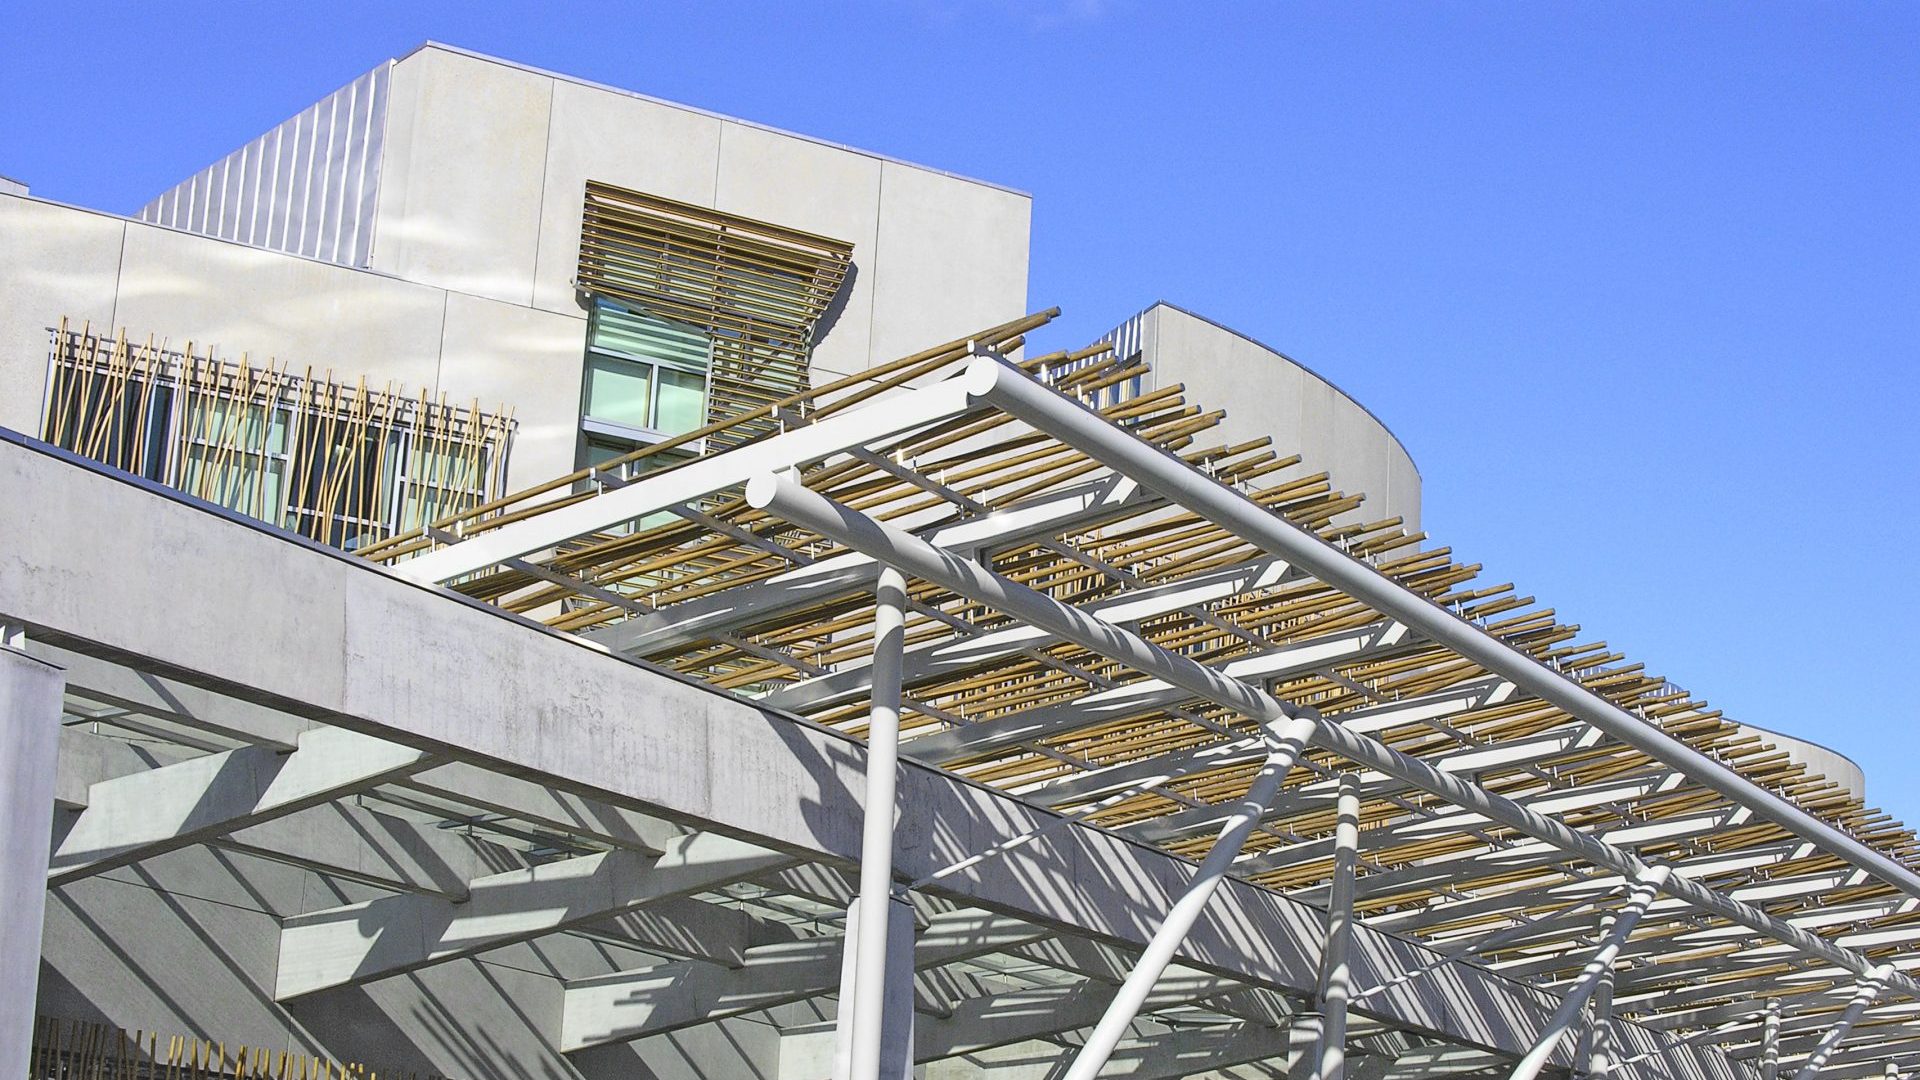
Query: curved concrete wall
x=1826 y=762
x=1267 y=393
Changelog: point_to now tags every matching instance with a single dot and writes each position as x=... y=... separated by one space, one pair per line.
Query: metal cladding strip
x=916 y=557
x=1155 y=469
x=697 y=478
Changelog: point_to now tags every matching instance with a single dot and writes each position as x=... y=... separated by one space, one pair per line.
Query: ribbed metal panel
x=307 y=187
x=1128 y=341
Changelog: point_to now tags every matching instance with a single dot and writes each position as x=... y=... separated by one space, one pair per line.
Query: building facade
x=464 y=552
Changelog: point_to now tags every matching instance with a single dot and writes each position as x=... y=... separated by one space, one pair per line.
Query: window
x=235 y=455
x=646 y=379
x=341 y=464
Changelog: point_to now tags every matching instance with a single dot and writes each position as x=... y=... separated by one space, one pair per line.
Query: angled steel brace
x=1645 y=888
x=788 y=499
x=1870 y=989
x=1289 y=738
x=1073 y=424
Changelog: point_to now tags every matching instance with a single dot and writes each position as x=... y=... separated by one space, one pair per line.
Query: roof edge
x=1334 y=386
x=684 y=107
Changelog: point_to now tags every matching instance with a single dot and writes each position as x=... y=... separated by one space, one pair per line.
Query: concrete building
x=472 y=556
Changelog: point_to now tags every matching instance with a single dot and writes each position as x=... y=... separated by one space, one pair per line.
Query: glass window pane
x=645 y=337
x=618 y=391
x=683 y=402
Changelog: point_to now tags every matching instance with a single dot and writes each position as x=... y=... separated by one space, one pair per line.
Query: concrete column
x=1336 y=975
x=896 y=998
x=30 y=692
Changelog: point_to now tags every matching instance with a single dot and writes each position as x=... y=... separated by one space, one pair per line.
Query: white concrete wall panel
x=465 y=156
x=1265 y=393
x=306 y=187
x=598 y=134
x=54 y=261
x=237 y=299
x=802 y=184
x=525 y=359
x=951 y=259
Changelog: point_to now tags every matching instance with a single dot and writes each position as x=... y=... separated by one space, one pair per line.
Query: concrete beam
x=357 y=943
x=354 y=646
x=1147 y=1056
x=173 y=700
x=1019 y=1015
x=629 y=1005
x=141 y=815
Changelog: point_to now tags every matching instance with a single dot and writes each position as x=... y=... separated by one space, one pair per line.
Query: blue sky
x=1637 y=284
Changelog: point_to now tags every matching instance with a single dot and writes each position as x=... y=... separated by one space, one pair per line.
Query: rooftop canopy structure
x=960 y=716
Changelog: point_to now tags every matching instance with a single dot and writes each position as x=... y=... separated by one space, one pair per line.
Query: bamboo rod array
x=335 y=462
x=1444 y=885
x=66 y=1049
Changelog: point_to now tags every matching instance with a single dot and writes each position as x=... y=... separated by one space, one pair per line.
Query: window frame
x=650 y=432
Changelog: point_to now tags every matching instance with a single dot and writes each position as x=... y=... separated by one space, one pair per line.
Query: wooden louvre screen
x=758 y=290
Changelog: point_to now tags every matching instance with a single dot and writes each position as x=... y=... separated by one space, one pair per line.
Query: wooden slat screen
x=758 y=289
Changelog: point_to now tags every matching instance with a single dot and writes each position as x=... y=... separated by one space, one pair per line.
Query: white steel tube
x=1336 y=973
x=1863 y=999
x=1155 y=469
x=1645 y=887
x=1600 y=1029
x=788 y=499
x=876 y=838
x=1289 y=736
x=1770 y=1042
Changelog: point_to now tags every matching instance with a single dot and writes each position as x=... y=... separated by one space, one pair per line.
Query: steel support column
x=870 y=966
x=1335 y=988
x=1289 y=737
x=1596 y=1042
x=30 y=693
x=1645 y=888
x=1014 y=392
x=1863 y=999
x=788 y=499
x=1770 y=1042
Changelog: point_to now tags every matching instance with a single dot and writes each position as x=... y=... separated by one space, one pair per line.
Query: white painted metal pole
x=1863 y=999
x=876 y=840
x=788 y=499
x=1770 y=1042
x=1290 y=736
x=30 y=693
x=1645 y=888
x=1336 y=973
x=1079 y=427
x=1599 y=1057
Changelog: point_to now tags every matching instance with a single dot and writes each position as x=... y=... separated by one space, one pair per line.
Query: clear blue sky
x=1638 y=284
